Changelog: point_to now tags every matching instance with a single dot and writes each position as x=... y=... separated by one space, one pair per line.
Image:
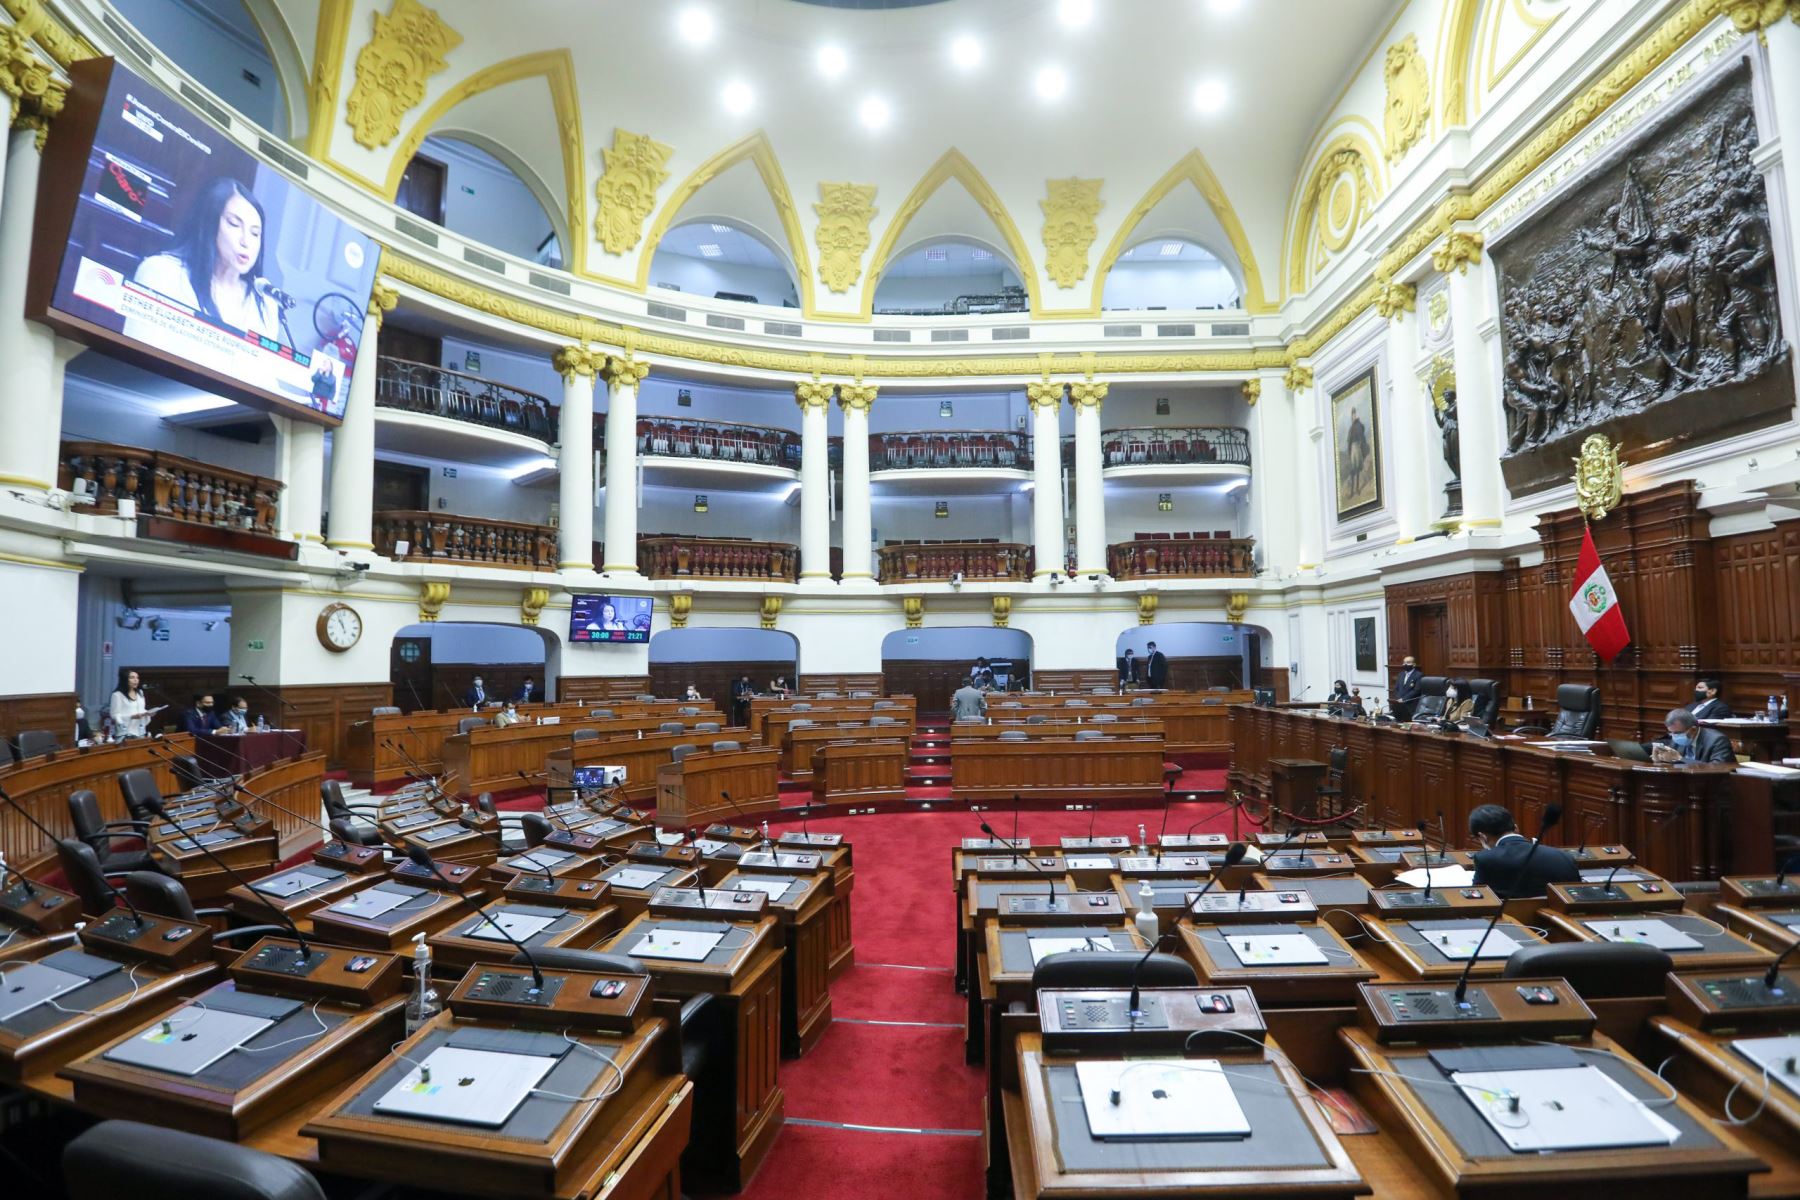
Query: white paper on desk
x=1440 y=877
x=1770 y=770
x=1790 y=762
x=1576 y=747
x=774 y=889
x=1179 y=1098
x=1044 y=947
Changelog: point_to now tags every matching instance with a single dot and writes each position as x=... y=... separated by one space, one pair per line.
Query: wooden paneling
x=323 y=712
x=843 y=684
x=599 y=689
x=1055 y=769
x=54 y=711
x=847 y=772
x=43 y=785
x=1073 y=681
x=450 y=682
x=930 y=681
x=714 y=678
x=1758 y=612
x=1198 y=674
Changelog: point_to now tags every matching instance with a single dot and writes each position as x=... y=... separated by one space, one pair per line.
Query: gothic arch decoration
x=1340 y=192
x=407 y=48
x=636 y=166
x=330 y=37
x=1408 y=104
x=1456 y=56
x=953 y=165
x=844 y=211
x=558 y=71
x=758 y=149
x=1496 y=18
x=290 y=65
x=1193 y=169
x=1070 y=206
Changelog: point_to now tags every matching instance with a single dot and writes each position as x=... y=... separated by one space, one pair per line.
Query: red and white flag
x=1596 y=605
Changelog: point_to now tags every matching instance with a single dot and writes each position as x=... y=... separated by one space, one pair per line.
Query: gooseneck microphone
x=1443 y=851
x=421 y=858
x=1587 y=826
x=154 y=806
x=30 y=888
x=1774 y=972
x=1671 y=815
x=1234 y=854
x=269 y=692
x=1161 y=830
x=136 y=916
x=1132 y=1011
x=1297 y=831
x=1033 y=863
x=1552 y=814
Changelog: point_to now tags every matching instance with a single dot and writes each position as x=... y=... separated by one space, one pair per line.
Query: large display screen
x=609 y=618
x=184 y=250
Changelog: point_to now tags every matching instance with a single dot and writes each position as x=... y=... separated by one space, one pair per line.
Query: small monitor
x=596 y=619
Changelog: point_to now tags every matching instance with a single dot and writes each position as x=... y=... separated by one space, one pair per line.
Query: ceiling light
x=1209 y=96
x=965 y=52
x=710 y=250
x=1074 y=13
x=721 y=229
x=1050 y=83
x=977 y=254
x=531 y=467
x=936 y=254
x=737 y=97
x=832 y=61
x=1170 y=249
x=1224 y=7
x=695 y=26
x=873 y=112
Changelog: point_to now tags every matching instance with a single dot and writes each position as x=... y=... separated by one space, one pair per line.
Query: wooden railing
x=949 y=448
x=424 y=388
x=413 y=537
x=669 y=556
x=905 y=561
x=1188 y=558
x=1173 y=445
x=170 y=486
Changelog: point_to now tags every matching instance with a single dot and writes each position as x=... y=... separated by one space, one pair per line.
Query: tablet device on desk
x=1044 y=947
x=1562 y=1108
x=467 y=1087
x=1632 y=750
x=1172 y=1098
x=1276 y=950
x=679 y=945
x=30 y=984
x=636 y=877
x=523 y=926
x=441 y=833
x=1774 y=1055
x=1660 y=934
x=189 y=1041
x=1460 y=943
x=538 y=860
x=291 y=883
x=372 y=903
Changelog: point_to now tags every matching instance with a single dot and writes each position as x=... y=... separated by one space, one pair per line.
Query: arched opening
x=725 y=259
x=222 y=45
x=436 y=665
x=711 y=659
x=950 y=275
x=930 y=664
x=479 y=190
x=1171 y=272
x=1203 y=656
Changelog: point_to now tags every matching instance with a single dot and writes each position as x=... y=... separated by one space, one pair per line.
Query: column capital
x=28 y=80
x=1754 y=16
x=623 y=372
x=1088 y=394
x=1299 y=378
x=1461 y=248
x=1044 y=395
x=1395 y=298
x=811 y=394
x=382 y=300
x=1252 y=389
x=578 y=362
x=856 y=397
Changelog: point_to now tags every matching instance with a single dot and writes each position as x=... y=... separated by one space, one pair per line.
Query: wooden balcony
x=668 y=556
x=928 y=561
x=178 y=499
x=1181 y=556
x=949 y=448
x=440 y=392
x=428 y=537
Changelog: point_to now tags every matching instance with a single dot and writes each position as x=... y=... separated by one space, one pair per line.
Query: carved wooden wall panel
x=54 y=711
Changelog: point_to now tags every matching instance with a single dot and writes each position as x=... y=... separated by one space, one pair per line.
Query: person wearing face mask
x=1459 y=702
x=237 y=717
x=476 y=696
x=1688 y=742
x=200 y=718
x=1709 y=700
x=1503 y=851
x=506 y=716
x=1407 y=689
x=1343 y=701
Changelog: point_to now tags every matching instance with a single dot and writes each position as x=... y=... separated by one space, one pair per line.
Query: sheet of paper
x=1563 y=1108
x=1159 y=1098
x=1440 y=877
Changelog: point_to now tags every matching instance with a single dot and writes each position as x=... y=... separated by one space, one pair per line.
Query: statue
x=1445 y=412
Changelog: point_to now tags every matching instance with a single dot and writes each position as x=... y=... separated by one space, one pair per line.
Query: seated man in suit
x=477 y=695
x=237 y=717
x=527 y=692
x=507 y=716
x=1709 y=701
x=200 y=718
x=1687 y=742
x=1128 y=669
x=1503 y=851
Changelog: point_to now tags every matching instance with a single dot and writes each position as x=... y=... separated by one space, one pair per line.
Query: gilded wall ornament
x=1408 y=96
x=1236 y=605
x=681 y=604
x=32 y=21
x=914 y=608
x=1002 y=611
x=1087 y=394
x=383 y=299
x=636 y=167
x=36 y=93
x=1069 y=228
x=578 y=362
x=844 y=211
x=531 y=604
x=1599 y=477
x=1146 y=608
x=1044 y=395
x=1252 y=390
x=408 y=48
x=813 y=394
x=1461 y=248
x=1396 y=298
x=1339 y=196
x=856 y=397
x=1298 y=378
x=432 y=596
x=625 y=371
x=770 y=609
x=1437 y=312
x=1754 y=16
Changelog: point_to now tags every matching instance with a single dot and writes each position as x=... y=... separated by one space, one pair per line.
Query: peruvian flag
x=1596 y=604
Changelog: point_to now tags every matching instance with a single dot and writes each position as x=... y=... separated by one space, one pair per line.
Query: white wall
x=1203 y=509
x=485 y=202
x=704 y=277
x=215 y=53
x=1178 y=285
x=37 y=606
x=766 y=518
x=101 y=413
x=957 y=644
x=1007 y=517
x=478 y=491
x=695 y=645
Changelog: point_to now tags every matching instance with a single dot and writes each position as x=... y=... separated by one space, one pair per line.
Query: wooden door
x=1430 y=638
x=422 y=189
x=401 y=488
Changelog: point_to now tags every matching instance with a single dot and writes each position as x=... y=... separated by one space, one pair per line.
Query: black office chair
x=826 y=696
x=862 y=695
x=1103 y=718
x=1037 y=719
x=331 y=792
x=677 y=753
x=1111 y=969
x=33 y=742
x=536 y=827
x=99 y=835
x=1487 y=700
x=800 y=707
x=137 y=787
x=355 y=833
x=1432 y=700
x=484 y=803
x=1596 y=970
x=1337 y=764
x=884 y=720
x=1142 y=701
x=7 y=757
x=148 y=1162
x=887 y=704
x=1090 y=735
x=161 y=896
x=81 y=870
x=385 y=710
x=468 y=723
x=1578 y=711
x=688 y=710
x=585 y=735
x=644 y=698
x=1076 y=704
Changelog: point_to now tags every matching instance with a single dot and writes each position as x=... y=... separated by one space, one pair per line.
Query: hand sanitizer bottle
x=423 y=1004
x=1143 y=843
x=1145 y=917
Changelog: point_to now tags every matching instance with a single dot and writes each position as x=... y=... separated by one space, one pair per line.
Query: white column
x=856 y=400
x=1090 y=496
x=1308 y=442
x=1479 y=418
x=31 y=399
x=1410 y=428
x=300 y=465
x=1272 y=465
x=1045 y=400
x=353 y=442
x=622 y=377
x=575 y=457
x=8 y=109
x=1783 y=77
x=815 y=480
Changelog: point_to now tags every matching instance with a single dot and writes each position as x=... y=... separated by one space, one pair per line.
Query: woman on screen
x=609 y=617
x=216 y=263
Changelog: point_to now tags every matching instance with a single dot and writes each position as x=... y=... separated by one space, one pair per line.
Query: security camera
x=359 y=567
x=1093 y=579
x=956 y=579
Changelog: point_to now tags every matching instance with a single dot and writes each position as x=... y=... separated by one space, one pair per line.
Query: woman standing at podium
x=130 y=715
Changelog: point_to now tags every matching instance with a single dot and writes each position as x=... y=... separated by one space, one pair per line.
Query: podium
x=691 y=792
x=801 y=905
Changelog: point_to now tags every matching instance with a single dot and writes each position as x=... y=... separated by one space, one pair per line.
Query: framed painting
x=1365 y=644
x=1356 y=447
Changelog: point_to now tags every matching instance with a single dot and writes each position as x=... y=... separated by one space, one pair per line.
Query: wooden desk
x=1194 y=722
x=641 y=756
x=1054 y=769
x=691 y=792
x=253 y=904
x=863 y=772
x=801 y=905
x=770 y=715
x=456 y=948
x=799 y=745
x=382 y=751
x=42 y=786
x=1210 y=947
x=492 y=759
x=223 y=754
x=633 y=884
x=1431 y=946
x=1720 y=949
x=425 y=910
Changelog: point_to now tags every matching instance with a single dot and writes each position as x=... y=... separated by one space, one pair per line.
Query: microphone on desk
x=137 y=916
x=1588 y=822
x=498 y=840
x=1234 y=854
x=154 y=806
x=1443 y=851
x=1671 y=815
x=269 y=692
x=1132 y=1011
x=1163 y=829
x=726 y=797
x=257 y=797
x=1293 y=833
x=1552 y=814
x=421 y=858
x=30 y=888
x=1029 y=861
x=1774 y=971
x=1013 y=843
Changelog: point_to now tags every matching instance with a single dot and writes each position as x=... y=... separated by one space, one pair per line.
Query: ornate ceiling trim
x=331 y=37
x=1342 y=188
x=1456 y=63
x=1349 y=123
x=1495 y=20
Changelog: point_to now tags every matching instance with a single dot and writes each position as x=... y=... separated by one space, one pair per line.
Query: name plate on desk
x=1158 y=864
x=456 y=873
x=156 y=940
x=797 y=862
x=1063 y=907
x=1095 y=843
x=574 y=893
x=1002 y=866
x=1222 y=908
x=1384 y=837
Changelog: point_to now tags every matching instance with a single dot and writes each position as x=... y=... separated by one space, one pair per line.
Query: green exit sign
x=256 y=644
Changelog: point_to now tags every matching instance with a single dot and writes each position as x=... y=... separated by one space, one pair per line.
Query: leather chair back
x=536 y=827
x=135 y=787
x=385 y=710
x=1487 y=700
x=1013 y=735
x=887 y=704
x=727 y=744
x=677 y=753
x=331 y=792
x=160 y=896
x=147 y=1162
x=1578 y=711
x=84 y=815
x=1111 y=969
x=81 y=867
x=1596 y=970
x=348 y=832
x=602 y=713
x=671 y=727
x=706 y=727
x=468 y=723
x=33 y=742
x=484 y=803
x=1431 y=701
x=688 y=710
x=1103 y=718
x=585 y=735
x=1089 y=735
x=7 y=757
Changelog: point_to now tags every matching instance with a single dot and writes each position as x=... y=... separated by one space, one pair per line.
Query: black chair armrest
x=91 y=838
x=696 y=1007
x=204 y=913
x=138 y=825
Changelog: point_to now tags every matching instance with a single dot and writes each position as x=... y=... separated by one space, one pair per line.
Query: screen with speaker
x=609 y=618
x=168 y=242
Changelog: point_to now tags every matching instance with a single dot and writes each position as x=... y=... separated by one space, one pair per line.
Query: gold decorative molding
x=1069 y=227
x=578 y=362
x=1088 y=394
x=771 y=608
x=1408 y=107
x=34 y=22
x=624 y=371
x=1146 y=608
x=1236 y=605
x=1396 y=298
x=1438 y=310
x=1298 y=378
x=1599 y=477
x=531 y=604
x=1252 y=390
x=383 y=298
x=1755 y=16
x=813 y=394
x=1340 y=195
x=431 y=600
x=406 y=50
x=1461 y=248
x=636 y=168
x=914 y=608
x=1439 y=377
x=331 y=34
x=855 y=397
x=680 y=605
x=844 y=211
x=1002 y=606
x=1044 y=395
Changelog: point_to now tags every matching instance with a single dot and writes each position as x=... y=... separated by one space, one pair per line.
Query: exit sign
x=255 y=644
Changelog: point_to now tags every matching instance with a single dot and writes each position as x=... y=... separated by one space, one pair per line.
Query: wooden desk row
x=985 y=768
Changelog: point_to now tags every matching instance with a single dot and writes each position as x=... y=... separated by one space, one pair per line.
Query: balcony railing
x=1182 y=556
x=669 y=556
x=719 y=441
x=420 y=537
x=903 y=562
x=1186 y=446
x=169 y=486
x=949 y=448
x=440 y=392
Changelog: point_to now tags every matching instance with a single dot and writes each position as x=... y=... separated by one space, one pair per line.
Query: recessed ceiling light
x=977 y=254
x=936 y=254
x=873 y=112
x=710 y=250
x=737 y=97
x=695 y=26
x=1170 y=249
x=832 y=61
x=1209 y=96
x=1224 y=7
x=721 y=229
x=965 y=52
x=1075 y=13
x=1050 y=83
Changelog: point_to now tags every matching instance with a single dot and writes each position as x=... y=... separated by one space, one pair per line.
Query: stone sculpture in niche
x=1644 y=304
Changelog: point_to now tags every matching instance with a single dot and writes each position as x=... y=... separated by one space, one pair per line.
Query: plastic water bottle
x=1145 y=917
x=1143 y=845
x=423 y=1005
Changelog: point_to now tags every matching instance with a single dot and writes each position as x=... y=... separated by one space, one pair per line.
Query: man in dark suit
x=741 y=692
x=527 y=692
x=1156 y=668
x=1503 y=852
x=1709 y=700
x=1407 y=689
x=200 y=718
x=1688 y=742
x=1128 y=668
x=477 y=695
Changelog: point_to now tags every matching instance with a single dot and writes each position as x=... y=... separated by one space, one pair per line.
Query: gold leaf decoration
x=1408 y=96
x=1339 y=196
x=1599 y=477
x=680 y=605
x=813 y=394
x=1461 y=247
x=1236 y=605
x=1088 y=394
x=771 y=608
x=1002 y=611
x=626 y=371
x=1298 y=378
x=383 y=298
x=1044 y=395
x=636 y=167
x=1147 y=608
x=854 y=397
x=844 y=211
x=431 y=600
x=1396 y=298
x=914 y=608
x=34 y=22
x=408 y=48
x=531 y=604
x=1252 y=389
x=1069 y=227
